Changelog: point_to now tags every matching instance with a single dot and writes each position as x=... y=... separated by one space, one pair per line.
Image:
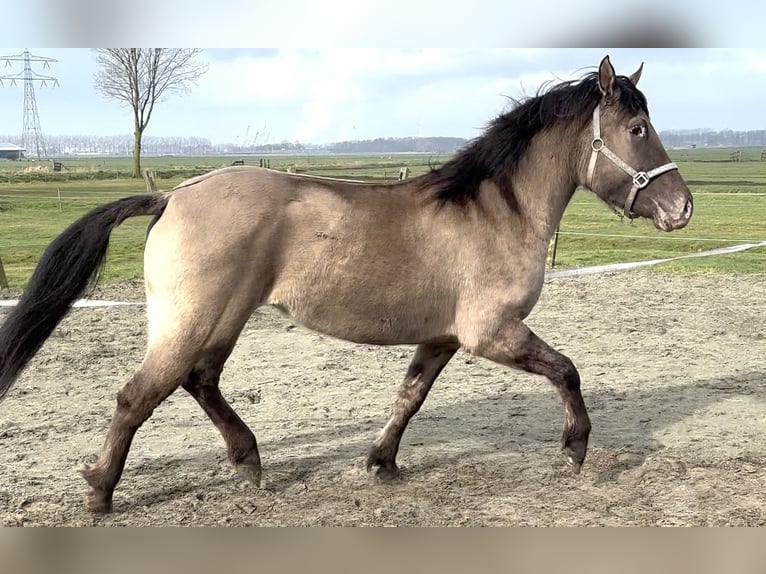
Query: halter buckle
x=641 y=180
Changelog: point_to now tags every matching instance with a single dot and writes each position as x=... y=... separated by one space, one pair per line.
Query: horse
x=453 y=258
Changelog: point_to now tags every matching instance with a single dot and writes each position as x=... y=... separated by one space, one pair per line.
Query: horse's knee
x=194 y=382
x=130 y=408
x=206 y=374
x=567 y=373
x=137 y=400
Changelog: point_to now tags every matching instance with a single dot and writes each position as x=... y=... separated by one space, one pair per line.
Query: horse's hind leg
x=159 y=375
x=517 y=346
x=241 y=446
x=178 y=336
x=428 y=362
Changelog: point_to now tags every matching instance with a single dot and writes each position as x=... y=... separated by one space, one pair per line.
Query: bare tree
x=141 y=77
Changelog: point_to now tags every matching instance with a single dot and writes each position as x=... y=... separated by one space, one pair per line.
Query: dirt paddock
x=674 y=376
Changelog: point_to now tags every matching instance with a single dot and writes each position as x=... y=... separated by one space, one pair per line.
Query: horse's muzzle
x=669 y=222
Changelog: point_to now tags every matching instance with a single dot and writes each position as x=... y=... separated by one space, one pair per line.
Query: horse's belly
x=367 y=321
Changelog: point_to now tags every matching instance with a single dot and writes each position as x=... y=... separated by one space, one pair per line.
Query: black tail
x=68 y=266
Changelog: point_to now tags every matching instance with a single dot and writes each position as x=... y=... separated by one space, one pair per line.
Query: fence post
x=151 y=186
x=404 y=173
x=3 y=278
x=555 y=246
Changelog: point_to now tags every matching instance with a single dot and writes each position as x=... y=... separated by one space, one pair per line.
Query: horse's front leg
x=515 y=345
x=428 y=362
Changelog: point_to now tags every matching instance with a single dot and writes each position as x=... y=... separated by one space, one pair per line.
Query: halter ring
x=597 y=144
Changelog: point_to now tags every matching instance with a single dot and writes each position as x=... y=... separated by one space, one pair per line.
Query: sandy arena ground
x=674 y=376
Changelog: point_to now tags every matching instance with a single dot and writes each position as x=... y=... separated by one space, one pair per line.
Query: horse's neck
x=544 y=182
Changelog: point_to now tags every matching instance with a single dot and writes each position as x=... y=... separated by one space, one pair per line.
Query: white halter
x=640 y=178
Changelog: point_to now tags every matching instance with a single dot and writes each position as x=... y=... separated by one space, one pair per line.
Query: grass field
x=730 y=208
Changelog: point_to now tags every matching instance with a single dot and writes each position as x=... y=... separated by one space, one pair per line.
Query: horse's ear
x=606 y=77
x=635 y=76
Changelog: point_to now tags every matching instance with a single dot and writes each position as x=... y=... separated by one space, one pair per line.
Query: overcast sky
x=326 y=95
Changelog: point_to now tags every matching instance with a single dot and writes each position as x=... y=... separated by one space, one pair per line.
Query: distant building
x=10 y=151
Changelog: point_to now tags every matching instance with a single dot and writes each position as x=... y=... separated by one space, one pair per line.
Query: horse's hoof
x=574 y=465
x=250 y=473
x=574 y=460
x=96 y=500
x=97 y=503
x=384 y=474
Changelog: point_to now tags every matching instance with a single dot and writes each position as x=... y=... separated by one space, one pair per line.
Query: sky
x=269 y=95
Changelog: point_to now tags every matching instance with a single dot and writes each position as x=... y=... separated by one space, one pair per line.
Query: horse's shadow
x=618 y=425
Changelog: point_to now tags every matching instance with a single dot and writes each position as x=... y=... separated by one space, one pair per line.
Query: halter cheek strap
x=640 y=178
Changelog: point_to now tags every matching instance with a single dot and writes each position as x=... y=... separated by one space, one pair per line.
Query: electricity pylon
x=32 y=137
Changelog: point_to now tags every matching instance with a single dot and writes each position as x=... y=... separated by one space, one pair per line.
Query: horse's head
x=626 y=164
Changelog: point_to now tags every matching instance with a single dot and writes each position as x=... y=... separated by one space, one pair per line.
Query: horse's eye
x=638 y=130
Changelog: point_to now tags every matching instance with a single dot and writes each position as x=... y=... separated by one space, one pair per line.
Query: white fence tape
x=610 y=268
x=79 y=303
x=666 y=237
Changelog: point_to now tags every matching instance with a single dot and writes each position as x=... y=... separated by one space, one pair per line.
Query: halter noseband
x=640 y=178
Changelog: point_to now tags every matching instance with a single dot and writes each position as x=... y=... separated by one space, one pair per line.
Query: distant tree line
x=713 y=138
x=122 y=145
x=441 y=145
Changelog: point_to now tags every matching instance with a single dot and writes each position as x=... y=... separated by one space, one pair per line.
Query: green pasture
x=730 y=207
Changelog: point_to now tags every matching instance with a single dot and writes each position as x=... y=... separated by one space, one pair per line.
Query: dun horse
x=453 y=258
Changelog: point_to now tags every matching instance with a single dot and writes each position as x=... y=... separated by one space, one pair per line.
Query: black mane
x=503 y=144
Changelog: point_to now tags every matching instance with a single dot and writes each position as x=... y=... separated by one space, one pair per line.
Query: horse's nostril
x=688 y=208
